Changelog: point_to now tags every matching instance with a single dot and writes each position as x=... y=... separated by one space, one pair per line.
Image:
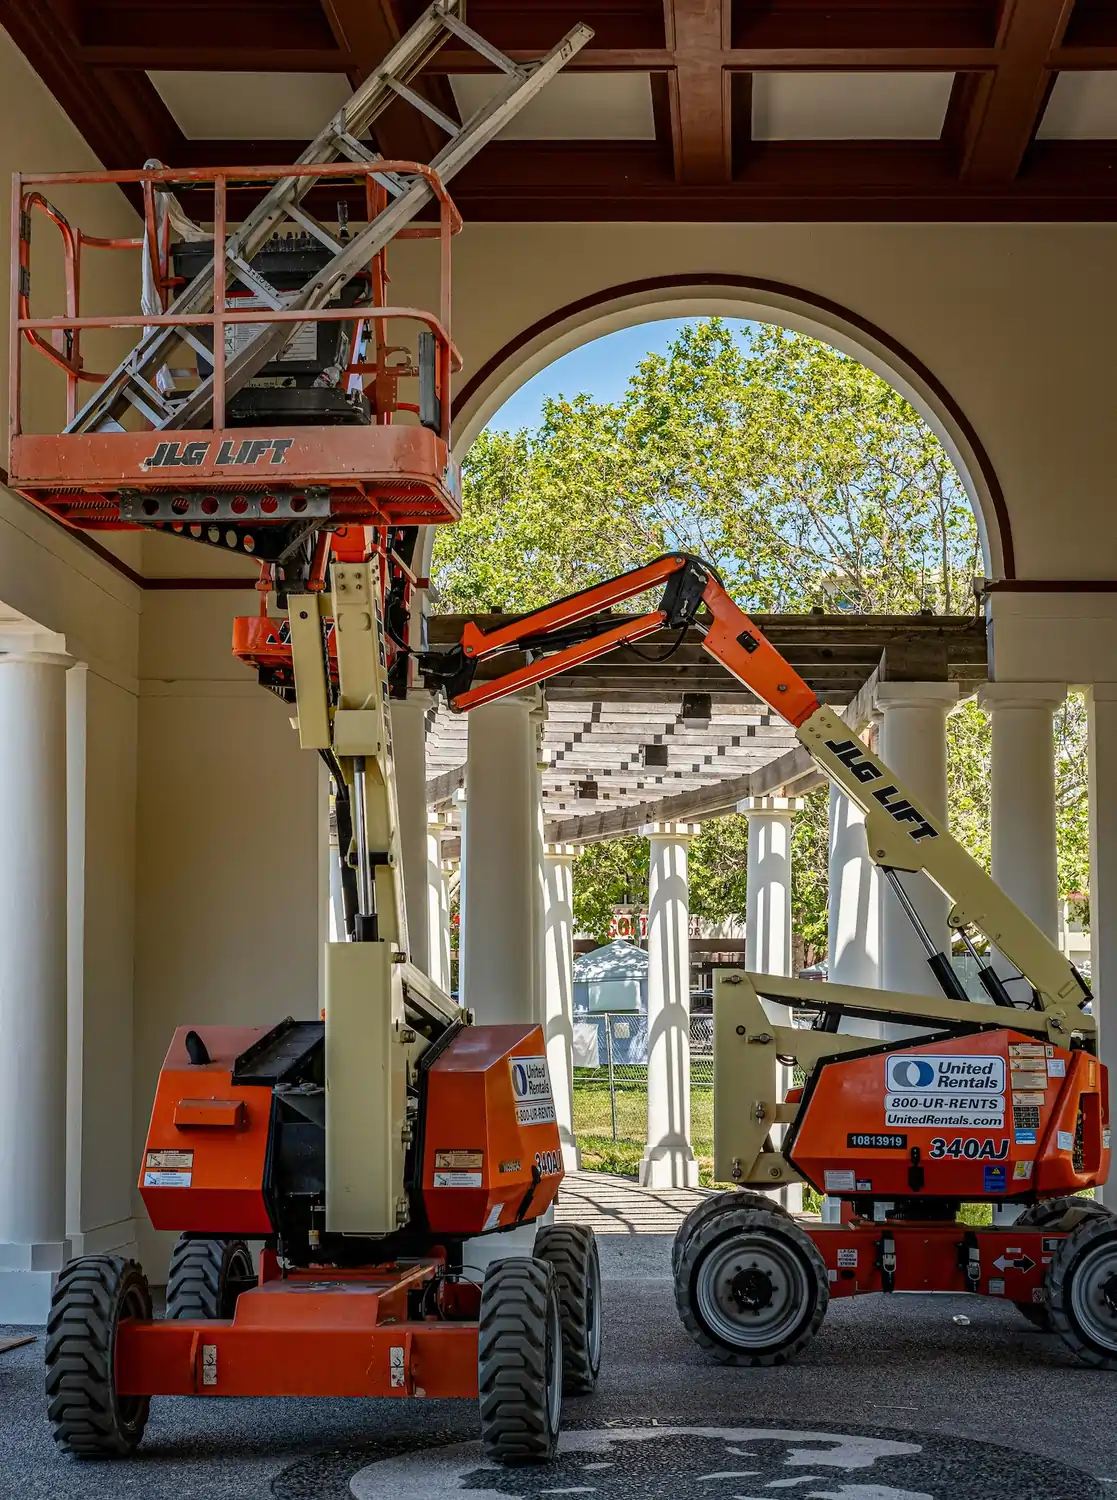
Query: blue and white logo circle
x=519 y=1081
x=910 y=1073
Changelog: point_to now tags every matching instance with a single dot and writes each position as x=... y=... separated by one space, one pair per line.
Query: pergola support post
x=669 y=1160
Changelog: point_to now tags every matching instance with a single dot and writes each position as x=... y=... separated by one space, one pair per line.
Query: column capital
x=1102 y=692
x=24 y=657
x=560 y=851
x=888 y=695
x=774 y=807
x=1048 y=695
x=676 y=832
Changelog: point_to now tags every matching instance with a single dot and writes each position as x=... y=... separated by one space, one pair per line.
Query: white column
x=558 y=996
x=1023 y=843
x=409 y=752
x=1022 y=810
x=499 y=866
x=668 y=1158
x=33 y=922
x=438 y=905
x=499 y=969
x=913 y=746
x=768 y=884
x=854 y=898
x=768 y=919
x=1101 y=701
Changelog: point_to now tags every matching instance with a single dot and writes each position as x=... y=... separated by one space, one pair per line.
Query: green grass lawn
x=593 y=1124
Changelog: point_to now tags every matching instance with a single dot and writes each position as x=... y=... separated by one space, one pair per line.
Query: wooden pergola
x=630 y=741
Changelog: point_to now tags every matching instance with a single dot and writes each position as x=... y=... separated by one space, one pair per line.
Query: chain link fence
x=611 y=1085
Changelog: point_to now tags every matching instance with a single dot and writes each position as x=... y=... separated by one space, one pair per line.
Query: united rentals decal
x=852 y=754
x=231 y=454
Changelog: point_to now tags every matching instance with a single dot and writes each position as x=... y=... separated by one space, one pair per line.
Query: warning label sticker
x=531 y=1090
x=847 y=1257
x=167 y=1179
x=839 y=1181
x=459 y=1161
x=169 y=1161
x=457 y=1179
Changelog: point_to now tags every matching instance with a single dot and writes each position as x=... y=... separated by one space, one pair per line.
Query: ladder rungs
x=479 y=44
x=451 y=127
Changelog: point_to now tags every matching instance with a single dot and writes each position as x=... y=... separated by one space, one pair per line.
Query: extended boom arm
x=901 y=835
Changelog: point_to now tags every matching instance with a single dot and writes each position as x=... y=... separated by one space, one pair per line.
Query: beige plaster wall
x=230 y=912
x=37 y=136
x=101 y=719
x=1019 y=322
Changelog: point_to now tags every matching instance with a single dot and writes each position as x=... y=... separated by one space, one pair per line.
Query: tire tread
x=740 y=1220
x=511 y=1368
x=82 y=1406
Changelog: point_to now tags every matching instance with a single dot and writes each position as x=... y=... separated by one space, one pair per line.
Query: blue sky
x=600 y=369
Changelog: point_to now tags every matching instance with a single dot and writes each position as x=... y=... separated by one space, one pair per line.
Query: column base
x=669 y=1167
x=25 y=1296
x=27 y=1278
x=571 y=1152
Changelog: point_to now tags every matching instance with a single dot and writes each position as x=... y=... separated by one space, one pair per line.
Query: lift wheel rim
x=593 y=1311
x=728 y=1285
x=1093 y=1295
x=553 y=1357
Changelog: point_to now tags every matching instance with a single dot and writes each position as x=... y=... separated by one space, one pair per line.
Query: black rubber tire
x=716 y=1236
x=1094 y=1236
x=519 y=1361
x=717 y=1203
x=571 y=1251
x=88 y=1418
x=206 y=1278
x=1054 y=1213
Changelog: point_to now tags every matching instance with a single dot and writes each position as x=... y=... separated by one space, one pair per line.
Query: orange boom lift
x=363 y=1152
x=267 y=410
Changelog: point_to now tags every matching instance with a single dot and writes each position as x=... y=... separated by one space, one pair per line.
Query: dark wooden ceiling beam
x=120 y=114
x=789 y=24
x=366 y=30
x=781 y=180
x=697 y=32
x=1007 y=107
x=209 y=57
